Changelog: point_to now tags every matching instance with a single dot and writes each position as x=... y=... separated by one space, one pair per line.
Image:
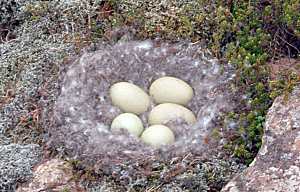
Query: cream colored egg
x=129 y=97
x=158 y=135
x=165 y=112
x=171 y=90
x=128 y=121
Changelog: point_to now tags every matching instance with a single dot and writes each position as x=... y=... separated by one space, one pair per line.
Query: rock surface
x=53 y=175
x=16 y=162
x=277 y=165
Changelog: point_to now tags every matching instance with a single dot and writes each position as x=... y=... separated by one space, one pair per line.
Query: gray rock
x=16 y=162
x=277 y=165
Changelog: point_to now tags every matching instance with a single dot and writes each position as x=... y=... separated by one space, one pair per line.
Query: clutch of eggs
x=171 y=93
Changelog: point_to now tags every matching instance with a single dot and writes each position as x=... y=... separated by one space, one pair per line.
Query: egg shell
x=171 y=90
x=165 y=112
x=129 y=121
x=158 y=135
x=129 y=97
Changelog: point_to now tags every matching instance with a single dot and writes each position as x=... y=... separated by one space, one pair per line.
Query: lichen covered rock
x=32 y=44
x=276 y=167
x=16 y=162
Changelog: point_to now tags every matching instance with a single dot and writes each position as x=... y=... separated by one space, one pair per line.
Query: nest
x=83 y=111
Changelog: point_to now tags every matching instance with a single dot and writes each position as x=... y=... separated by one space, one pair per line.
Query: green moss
x=65 y=190
x=216 y=133
x=291 y=15
x=249 y=54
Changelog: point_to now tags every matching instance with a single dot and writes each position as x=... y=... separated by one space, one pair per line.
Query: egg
x=171 y=90
x=129 y=121
x=165 y=112
x=158 y=135
x=129 y=97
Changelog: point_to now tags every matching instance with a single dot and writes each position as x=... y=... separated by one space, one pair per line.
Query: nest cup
x=83 y=111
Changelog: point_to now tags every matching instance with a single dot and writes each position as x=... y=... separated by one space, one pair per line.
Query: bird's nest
x=83 y=111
